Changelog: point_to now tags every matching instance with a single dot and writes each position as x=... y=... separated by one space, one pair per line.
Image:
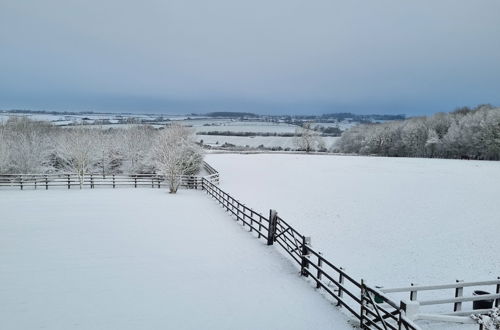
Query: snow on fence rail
x=353 y=295
x=482 y=301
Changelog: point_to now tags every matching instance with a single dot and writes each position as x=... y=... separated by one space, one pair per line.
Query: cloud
x=270 y=56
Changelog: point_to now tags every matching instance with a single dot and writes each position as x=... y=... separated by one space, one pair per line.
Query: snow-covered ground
x=255 y=141
x=391 y=221
x=144 y=259
x=240 y=126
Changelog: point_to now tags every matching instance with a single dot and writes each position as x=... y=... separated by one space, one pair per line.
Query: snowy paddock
x=390 y=221
x=144 y=259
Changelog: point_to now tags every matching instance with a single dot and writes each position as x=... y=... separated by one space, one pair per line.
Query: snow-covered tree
x=27 y=145
x=175 y=154
x=77 y=150
x=307 y=139
x=4 y=151
x=464 y=133
x=135 y=144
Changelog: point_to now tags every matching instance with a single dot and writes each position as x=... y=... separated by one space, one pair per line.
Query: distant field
x=267 y=141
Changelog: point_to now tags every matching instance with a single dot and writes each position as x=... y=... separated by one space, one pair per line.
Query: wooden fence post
x=113 y=180
x=46 y=183
x=21 y=182
x=91 y=181
x=319 y=274
x=459 y=292
x=362 y=305
x=69 y=182
x=497 y=301
x=273 y=219
x=135 y=181
x=304 y=253
x=413 y=294
x=341 y=282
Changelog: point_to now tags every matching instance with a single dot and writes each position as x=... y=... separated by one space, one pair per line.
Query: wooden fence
x=72 y=180
x=463 y=292
x=355 y=296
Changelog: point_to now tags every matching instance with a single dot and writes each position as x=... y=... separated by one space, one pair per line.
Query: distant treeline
x=246 y=134
x=361 y=118
x=464 y=133
x=229 y=114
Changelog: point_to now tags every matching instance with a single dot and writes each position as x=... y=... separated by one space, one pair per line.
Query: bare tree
x=175 y=154
x=4 y=150
x=27 y=145
x=307 y=139
x=77 y=150
x=135 y=144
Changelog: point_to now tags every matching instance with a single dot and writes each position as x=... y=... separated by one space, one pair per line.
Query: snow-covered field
x=391 y=221
x=254 y=142
x=144 y=259
x=240 y=126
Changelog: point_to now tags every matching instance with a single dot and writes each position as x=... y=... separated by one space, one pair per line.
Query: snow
x=390 y=221
x=254 y=142
x=144 y=259
x=242 y=126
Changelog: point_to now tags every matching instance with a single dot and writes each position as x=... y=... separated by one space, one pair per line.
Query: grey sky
x=266 y=56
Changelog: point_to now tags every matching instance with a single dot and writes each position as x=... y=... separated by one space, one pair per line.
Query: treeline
x=246 y=134
x=464 y=133
x=29 y=146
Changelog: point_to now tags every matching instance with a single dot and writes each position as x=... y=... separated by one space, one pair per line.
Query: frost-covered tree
x=108 y=149
x=464 y=133
x=27 y=145
x=307 y=139
x=4 y=150
x=77 y=150
x=135 y=144
x=175 y=154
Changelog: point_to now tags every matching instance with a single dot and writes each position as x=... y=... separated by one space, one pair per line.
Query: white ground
x=267 y=141
x=391 y=221
x=144 y=259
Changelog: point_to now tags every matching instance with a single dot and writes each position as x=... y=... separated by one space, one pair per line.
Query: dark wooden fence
x=372 y=308
x=72 y=180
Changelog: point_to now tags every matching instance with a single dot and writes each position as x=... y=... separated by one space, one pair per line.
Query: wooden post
x=35 y=182
x=319 y=274
x=413 y=294
x=245 y=215
x=459 y=292
x=158 y=178
x=260 y=221
x=304 y=253
x=91 y=181
x=135 y=181
x=273 y=219
x=21 y=182
x=113 y=180
x=497 y=301
x=341 y=282
x=46 y=183
x=69 y=182
x=362 y=305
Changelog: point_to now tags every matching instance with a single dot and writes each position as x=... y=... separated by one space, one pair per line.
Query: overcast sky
x=264 y=56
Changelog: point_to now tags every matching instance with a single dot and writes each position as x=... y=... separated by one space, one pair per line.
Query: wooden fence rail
x=93 y=180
